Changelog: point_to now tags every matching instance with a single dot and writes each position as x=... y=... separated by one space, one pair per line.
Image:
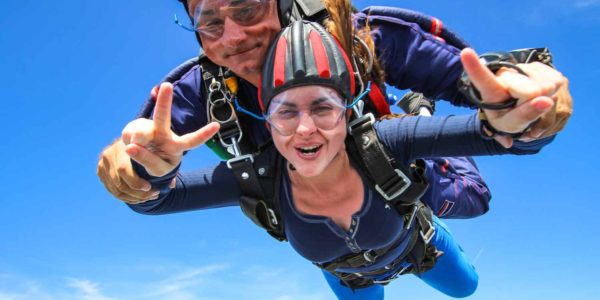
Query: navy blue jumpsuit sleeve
x=199 y=189
x=409 y=138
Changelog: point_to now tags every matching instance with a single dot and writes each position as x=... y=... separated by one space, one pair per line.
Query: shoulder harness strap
x=253 y=168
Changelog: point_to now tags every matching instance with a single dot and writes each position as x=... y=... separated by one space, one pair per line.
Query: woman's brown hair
x=340 y=25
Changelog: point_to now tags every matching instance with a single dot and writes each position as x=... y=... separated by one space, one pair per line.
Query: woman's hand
x=154 y=145
x=535 y=93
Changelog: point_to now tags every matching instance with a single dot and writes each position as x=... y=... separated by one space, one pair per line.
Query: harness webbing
x=419 y=254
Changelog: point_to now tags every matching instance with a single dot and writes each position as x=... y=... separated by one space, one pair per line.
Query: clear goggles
x=325 y=109
x=209 y=15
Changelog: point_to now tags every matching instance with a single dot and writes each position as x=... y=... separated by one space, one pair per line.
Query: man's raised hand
x=154 y=145
x=534 y=93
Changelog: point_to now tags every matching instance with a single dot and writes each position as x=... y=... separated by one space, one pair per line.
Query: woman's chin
x=308 y=171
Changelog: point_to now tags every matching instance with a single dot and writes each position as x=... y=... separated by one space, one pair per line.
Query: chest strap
x=393 y=182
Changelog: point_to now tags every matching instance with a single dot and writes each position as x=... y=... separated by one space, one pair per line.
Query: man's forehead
x=196 y=3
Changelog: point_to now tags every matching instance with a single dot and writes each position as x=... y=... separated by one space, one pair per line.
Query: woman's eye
x=286 y=114
x=322 y=110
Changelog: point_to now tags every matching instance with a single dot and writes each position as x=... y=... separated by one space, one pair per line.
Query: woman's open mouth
x=308 y=152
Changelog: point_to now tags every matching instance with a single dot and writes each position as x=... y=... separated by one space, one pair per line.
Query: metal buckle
x=272 y=216
x=400 y=191
x=411 y=219
x=240 y=158
x=394 y=276
x=427 y=236
x=369 y=256
x=368 y=117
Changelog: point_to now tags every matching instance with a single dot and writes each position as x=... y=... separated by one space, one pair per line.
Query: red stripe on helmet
x=320 y=54
x=350 y=69
x=279 y=62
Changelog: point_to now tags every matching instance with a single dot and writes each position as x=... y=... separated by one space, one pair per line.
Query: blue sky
x=74 y=72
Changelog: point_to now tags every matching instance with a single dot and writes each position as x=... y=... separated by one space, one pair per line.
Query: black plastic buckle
x=368 y=118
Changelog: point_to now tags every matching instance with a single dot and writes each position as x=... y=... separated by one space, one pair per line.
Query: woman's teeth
x=310 y=149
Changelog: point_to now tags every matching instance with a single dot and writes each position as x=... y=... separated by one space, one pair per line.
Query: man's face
x=230 y=42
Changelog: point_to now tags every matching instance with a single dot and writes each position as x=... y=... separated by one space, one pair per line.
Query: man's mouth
x=242 y=51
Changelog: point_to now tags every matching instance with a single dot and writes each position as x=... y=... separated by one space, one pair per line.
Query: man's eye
x=211 y=25
x=244 y=12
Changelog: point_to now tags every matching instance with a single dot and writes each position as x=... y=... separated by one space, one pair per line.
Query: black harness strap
x=390 y=181
x=257 y=178
x=253 y=171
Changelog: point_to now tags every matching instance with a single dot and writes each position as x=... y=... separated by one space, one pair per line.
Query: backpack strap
x=253 y=168
x=393 y=183
x=259 y=185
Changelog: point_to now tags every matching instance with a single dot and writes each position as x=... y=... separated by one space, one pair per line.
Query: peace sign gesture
x=154 y=145
x=534 y=91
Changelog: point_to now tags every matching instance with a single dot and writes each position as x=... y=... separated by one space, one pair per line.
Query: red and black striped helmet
x=304 y=53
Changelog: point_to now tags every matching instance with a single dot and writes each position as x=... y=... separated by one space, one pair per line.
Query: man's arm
x=416 y=60
x=456 y=189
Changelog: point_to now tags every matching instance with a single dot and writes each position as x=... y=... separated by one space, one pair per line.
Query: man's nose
x=233 y=33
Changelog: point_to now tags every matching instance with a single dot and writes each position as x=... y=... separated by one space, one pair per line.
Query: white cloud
x=13 y=287
x=211 y=282
x=86 y=289
x=181 y=285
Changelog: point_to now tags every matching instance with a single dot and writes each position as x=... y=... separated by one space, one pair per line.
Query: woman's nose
x=306 y=125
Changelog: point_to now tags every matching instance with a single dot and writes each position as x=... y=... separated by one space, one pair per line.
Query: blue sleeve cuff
x=159 y=183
